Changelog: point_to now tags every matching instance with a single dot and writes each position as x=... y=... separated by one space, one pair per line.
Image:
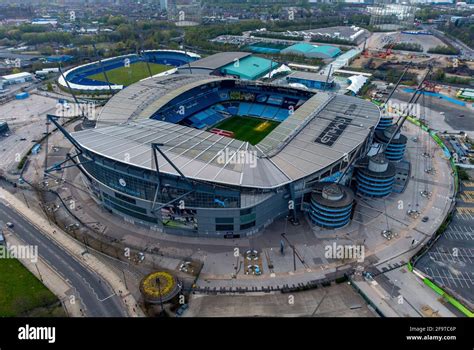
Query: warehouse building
x=17 y=78
x=240 y=65
x=312 y=51
x=249 y=68
x=311 y=80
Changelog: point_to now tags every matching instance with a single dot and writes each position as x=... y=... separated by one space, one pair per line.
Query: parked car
x=10 y=225
x=387 y=234
x=181 y=310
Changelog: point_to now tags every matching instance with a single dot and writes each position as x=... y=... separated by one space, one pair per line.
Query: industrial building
x=17 y=78
x=145 y=158
x=241 y=65
x=352 y=34
x=249 y=68
x=312 y=51
x=311 y=80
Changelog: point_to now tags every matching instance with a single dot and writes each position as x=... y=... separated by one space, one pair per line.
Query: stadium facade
x=156 y=159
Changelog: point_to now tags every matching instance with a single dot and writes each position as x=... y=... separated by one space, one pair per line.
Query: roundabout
x=159 y=287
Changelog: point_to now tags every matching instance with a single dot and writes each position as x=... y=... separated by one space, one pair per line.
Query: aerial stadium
x=124 y=70
x=200 y=155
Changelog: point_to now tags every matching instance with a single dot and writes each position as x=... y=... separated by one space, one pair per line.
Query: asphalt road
x=452 y=112
x=465 y=52
x=96 y=296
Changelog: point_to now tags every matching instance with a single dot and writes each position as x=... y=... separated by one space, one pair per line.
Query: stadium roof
x=250 y=68
x=302 y=155
x=142 y=99
x=293 y=150
x=218 y=60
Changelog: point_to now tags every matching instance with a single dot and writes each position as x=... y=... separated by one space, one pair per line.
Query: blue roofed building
x=241 y=65
x=249 y=68
x=312 y=51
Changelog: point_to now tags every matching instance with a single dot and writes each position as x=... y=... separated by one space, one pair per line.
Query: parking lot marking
x=466 y=213
x=462 y=229
x=466 y=210
x=451 y=277
x=449 y=257
x=466 y=280
x=444 y=279
x=470 y=279
x=462 y=255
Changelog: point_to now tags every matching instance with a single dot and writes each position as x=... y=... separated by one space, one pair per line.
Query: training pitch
x=129 y=75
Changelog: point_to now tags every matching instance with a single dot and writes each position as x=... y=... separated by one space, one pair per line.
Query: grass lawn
x=22 y=294
x=248 y=129
x=129 y=75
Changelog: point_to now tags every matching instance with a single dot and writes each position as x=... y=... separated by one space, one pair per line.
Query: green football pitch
x=129 y=75
x=252 y=130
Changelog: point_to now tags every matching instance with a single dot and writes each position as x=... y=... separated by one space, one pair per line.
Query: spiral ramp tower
x=375 y=176
x=331 y=205
x=385 y=122
x=395 y=150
